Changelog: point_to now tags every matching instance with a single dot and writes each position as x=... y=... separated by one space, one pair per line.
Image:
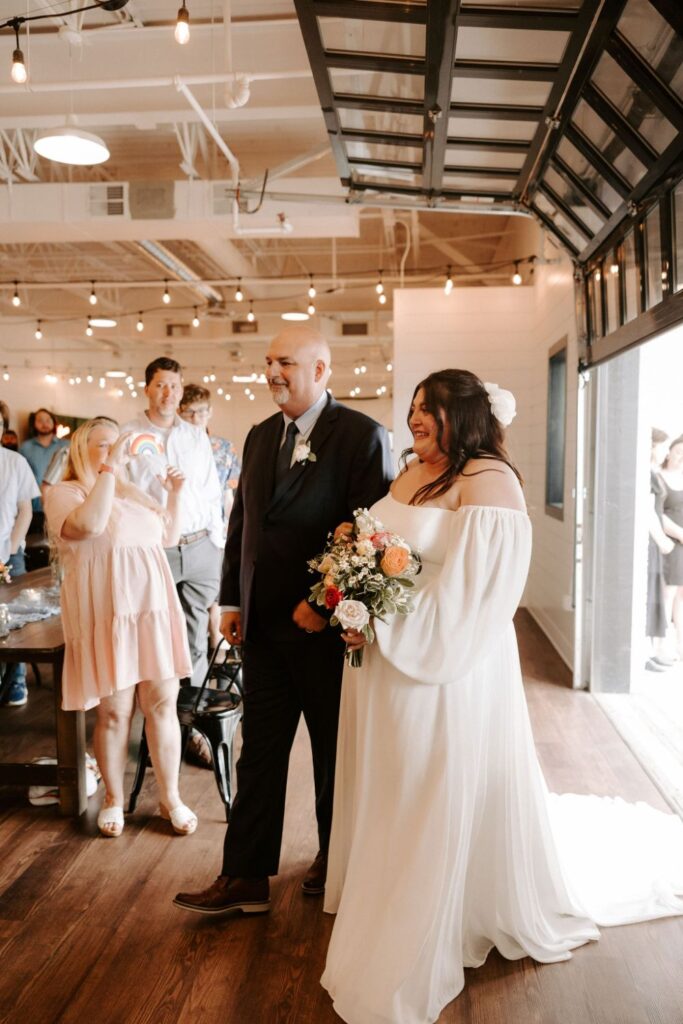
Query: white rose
x=366 y=549
x=352 y=614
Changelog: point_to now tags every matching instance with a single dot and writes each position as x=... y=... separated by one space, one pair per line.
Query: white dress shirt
x=17 y=484
x=188 y=449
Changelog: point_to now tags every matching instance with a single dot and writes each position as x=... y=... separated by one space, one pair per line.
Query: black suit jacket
x=274 y=531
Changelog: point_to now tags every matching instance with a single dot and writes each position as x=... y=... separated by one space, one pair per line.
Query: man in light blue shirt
x=38 y=452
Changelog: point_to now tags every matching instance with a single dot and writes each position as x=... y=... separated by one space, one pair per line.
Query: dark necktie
x=284 y=456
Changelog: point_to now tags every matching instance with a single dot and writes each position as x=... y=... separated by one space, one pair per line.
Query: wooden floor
x=88 y=931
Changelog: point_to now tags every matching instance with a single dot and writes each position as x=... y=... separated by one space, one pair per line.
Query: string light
x=16 y=300
x=239 y=294
x=89 y=378
x=195 y=318
x=228 y=396
x=140 y=326
x=166 y=297
x=382 y=299
x=311 y=288
x=311 y=309
x=18 y=74
x=93 y=296
x=614 y=269
x=250 y=315
x=379 y=287
x=5 y=374
x=516 y=277
x=50 y=377
x=182 y=26
x=219 y=391
x=598 y=275
x=390 y=367
x=448 y=287
x=88 y=329
x=39 y=333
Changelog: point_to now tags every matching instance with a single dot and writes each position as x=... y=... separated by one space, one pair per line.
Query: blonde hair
x=79 y=467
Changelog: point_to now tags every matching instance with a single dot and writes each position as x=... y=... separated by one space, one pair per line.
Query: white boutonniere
x=303 y=453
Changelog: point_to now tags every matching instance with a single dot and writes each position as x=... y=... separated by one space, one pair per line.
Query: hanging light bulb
x=311 y=288
x=195 y=318
x=239 y=294
x=182 y=26
x=140 y=326
x=166 y=297
x=390 y=367
x=16 y=301
x=250 y=314
x=89 y=378
x=5 y=374
x=379 y=287
x=39 y=334
x=311 y=309
x=614 y=269
x=88 y=329
x=448 y=287
x=382 y=299
x=93 y=296
x=18 y=74
x=516 y=277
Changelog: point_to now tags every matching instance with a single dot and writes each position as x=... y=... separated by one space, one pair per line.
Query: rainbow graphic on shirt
x=146 y=444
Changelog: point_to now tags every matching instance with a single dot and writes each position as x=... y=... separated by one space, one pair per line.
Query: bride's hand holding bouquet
x=367 y=573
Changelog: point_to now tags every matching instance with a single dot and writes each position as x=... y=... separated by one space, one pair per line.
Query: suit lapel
x=271 y=446
x=288 y=486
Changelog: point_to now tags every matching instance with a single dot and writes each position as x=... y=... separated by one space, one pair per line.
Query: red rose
x=380 y=539
x=332 y=597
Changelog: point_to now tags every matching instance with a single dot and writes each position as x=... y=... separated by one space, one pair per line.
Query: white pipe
x=161 y=81
x=181 y=86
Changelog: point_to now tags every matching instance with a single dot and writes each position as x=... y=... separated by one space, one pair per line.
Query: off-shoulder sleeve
x=59 y=501
x=462 y=612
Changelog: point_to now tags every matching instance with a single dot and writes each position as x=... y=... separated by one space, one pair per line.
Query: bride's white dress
x=445 y=841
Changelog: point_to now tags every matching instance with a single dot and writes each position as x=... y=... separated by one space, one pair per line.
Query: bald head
x=298 y=368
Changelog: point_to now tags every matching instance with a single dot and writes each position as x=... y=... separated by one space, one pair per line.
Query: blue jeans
x=15 y=673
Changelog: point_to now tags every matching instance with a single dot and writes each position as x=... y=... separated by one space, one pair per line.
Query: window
x=555 y=433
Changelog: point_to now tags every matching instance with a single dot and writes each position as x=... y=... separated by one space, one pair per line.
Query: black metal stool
x=216 y=715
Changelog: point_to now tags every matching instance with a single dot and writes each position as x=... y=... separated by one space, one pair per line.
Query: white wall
x=503 y=335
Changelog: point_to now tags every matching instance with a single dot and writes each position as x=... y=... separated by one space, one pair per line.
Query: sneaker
x=653 y=666
x=16 y=695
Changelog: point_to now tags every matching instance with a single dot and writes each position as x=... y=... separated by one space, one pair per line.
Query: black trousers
x=282 y=680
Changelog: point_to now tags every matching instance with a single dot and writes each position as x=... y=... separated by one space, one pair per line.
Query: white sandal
x=110 y=822
x=183 y=820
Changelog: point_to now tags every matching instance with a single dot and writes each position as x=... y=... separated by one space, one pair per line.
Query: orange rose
x=344 y=530
x=394 y=561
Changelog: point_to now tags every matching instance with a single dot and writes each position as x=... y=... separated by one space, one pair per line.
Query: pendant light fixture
x=182 y=26
x=71 y=145
x=19 y=74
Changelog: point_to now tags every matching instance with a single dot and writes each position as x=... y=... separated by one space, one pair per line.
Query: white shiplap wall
x=503 y=335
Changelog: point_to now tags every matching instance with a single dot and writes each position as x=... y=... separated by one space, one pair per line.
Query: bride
x=445 y=841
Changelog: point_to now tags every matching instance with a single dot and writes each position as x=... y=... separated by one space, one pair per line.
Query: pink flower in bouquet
x=380 y=539
x=332 y=597
x=395 y=561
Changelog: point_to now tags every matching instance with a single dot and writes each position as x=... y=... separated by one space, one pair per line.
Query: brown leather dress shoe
x=250 y=895
x=314 y=881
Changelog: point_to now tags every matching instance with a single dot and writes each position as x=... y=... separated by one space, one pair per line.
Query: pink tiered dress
x=120 y=611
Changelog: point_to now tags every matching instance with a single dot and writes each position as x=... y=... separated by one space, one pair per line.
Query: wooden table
x=42 y=642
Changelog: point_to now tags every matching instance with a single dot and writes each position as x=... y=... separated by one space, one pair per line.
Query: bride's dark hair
x=466 y=428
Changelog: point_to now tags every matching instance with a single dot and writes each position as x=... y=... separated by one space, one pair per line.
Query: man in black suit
x=304 y=471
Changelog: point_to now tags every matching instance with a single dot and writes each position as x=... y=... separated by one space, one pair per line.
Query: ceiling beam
x=597 y=20
x=496 y=111
x=565 y=209
x=672 y=12
x=390 y=64
x=573 y=179
x=378 y=104
x=667 y=169
x=624 y=131
x=524 y=18
x=442 y=23
x=553 y=229
x=482 y=172
x=593 y=155
x=488 y=145
x=381 y=138
x=371 y=10
x=310 y=31
x=646 y=78
x=506 y=70
x=388 y=165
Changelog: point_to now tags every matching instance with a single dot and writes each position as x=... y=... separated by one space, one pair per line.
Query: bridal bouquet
x=5 y=573
x=367 y=572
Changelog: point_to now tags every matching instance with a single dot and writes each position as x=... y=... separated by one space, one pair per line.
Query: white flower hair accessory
x=503 y=405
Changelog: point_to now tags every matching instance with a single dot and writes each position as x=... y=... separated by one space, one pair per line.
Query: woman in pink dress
x=124 y=629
